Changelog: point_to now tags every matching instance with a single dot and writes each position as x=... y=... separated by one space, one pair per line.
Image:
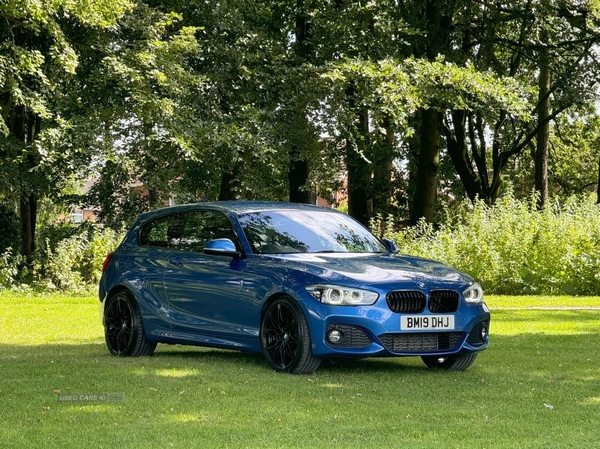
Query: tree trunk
x=25 y=127
x=298 y=178
x=414 y=144
x=299 y=169
x=543 y=135
x=429 y=161
x=438 y=23
x=229 y=177
x=359 y=171
x=28 y=216
x=598 y=185
x=154 y=198
x=382 y=185
x=459 y=153
x=477 y=135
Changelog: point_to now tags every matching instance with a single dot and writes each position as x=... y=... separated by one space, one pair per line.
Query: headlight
x=474 y=293
x=335 y=295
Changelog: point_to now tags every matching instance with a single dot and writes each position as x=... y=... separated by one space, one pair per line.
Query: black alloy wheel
x=123 y=327
x=285 y=338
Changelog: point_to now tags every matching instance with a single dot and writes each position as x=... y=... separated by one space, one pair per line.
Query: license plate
x=427 y=322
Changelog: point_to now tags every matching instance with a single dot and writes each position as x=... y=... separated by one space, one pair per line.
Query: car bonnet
x=382 y=270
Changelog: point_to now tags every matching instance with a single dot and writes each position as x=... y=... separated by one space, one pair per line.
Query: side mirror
x=391 y=245
x=221 y=247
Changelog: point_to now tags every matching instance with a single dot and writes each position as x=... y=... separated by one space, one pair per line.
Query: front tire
x=285 y=338
x=452 y=363
x=123 y=327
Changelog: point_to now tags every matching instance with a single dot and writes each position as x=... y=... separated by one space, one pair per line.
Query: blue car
x=297 y=283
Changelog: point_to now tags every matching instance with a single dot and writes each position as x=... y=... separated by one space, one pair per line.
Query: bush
x=11 y=271
x=72 y=256
x=69 y=258
x=512 y=248
x=10 y=226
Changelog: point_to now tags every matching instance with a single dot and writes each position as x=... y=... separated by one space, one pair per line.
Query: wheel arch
x=117 y=289
x=308 y=311
x=274 y=297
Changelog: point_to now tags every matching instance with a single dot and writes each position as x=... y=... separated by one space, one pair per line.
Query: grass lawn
x=537 y=386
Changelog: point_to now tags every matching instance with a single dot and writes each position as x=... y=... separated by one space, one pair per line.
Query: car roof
x=236 y=207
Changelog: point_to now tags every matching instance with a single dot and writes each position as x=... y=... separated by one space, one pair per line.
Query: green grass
x=543 y=302
x=537 y=386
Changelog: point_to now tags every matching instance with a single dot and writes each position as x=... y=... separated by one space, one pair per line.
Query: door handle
x=176 y=261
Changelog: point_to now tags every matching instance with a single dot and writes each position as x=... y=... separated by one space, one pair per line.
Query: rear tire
x=452 y=363
x=123 y=327
x=285 y=338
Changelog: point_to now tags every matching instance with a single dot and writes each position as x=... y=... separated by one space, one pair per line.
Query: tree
x=35 y=57
x=435 y=41
x=149 y=109
x=298 y=174
x=275 y=100
x=520 y=40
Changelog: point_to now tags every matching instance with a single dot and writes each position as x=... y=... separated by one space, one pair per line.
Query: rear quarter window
x=163 y=232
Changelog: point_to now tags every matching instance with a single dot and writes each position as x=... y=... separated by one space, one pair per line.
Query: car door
x=204 y=290
x=157 y=242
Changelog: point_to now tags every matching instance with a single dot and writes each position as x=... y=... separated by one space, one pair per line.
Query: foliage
x=397 y=88
x=69 y=259
x=40 y=49
x=9 y=224
x=234 y=99
x=73 y=255
x=11 y=272
x=514 y=249
x=36 y=53
x=575 y=153
x=133 y=114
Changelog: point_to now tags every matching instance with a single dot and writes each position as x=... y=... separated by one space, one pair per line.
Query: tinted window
x=284 y=232
x=202 y=226
x=163 y=232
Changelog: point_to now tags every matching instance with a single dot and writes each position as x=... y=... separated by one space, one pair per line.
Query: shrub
x=512 y=248
x=74 y=259
x=9 y=223
x=11 y=272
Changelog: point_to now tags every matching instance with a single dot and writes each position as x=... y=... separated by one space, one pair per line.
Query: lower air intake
x=422 y=342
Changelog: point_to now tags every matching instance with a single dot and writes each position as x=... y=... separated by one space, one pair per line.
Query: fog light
x=335 y=336
x=484 y=332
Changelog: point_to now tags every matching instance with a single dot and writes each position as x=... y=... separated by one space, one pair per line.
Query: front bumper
x=376 y=331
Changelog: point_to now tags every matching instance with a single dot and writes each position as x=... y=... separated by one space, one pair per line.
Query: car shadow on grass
x=206 y=355
x=63 y=358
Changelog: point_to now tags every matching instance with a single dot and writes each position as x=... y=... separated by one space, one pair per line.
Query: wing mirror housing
x=221 y=247
x=391 y=245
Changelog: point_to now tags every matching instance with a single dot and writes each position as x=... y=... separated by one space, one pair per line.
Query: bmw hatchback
x=297 y=283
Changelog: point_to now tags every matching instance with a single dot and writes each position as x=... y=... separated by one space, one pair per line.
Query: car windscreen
x=300 y=231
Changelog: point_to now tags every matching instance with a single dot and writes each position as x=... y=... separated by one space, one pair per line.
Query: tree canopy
x=404 y=105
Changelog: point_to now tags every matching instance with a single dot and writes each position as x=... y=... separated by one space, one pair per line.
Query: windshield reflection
x=295 y=231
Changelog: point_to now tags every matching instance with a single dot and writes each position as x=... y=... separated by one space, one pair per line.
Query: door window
x=202 y=226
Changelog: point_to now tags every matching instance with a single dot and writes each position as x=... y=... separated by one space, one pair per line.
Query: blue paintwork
x=217 y=300
x=221 y=247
